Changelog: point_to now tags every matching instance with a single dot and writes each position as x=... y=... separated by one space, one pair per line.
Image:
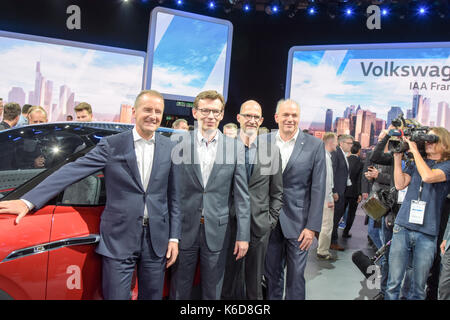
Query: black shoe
x=346 y=235
x=379 y=296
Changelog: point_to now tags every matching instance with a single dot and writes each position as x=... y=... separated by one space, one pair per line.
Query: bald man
x=265 y=186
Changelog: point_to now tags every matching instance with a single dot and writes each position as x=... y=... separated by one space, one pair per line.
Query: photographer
x=382 y=157
x=417 y=223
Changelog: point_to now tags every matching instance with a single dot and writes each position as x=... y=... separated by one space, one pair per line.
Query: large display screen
x=58 y=74
x=359 y=89
x=187 y=53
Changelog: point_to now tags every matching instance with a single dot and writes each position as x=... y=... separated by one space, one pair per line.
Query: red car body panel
x=74 y=272
x=25 y=277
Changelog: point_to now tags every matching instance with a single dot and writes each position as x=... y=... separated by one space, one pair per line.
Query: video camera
x=411 y=129
x=363 y=262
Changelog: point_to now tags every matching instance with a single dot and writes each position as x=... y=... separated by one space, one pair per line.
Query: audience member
x=341 y=181
x=353 y=192
x=37 y=115
x=180 y=124
x=69 y=117
x=11 y=115
x=230 y=130
x=23 y=121
x=304 y=177
x=265 y=186
x=417 y=223
x=323 y=247
x=83 y=112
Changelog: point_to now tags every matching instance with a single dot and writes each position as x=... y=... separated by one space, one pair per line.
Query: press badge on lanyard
x=417 y=211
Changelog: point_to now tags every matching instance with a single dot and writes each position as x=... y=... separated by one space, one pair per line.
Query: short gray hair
x=343 y=137
x=152 y=93
x=281 y=101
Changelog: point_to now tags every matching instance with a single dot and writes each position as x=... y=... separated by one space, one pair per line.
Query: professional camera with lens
x=411 y=129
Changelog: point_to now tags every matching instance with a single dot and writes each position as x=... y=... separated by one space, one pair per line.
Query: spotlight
x=246 y=7
x=272 y=8
x=422 y=10
x=348 y=11
x=384 y=12
x=312 y=11
x=211 y=5
x=179 y=2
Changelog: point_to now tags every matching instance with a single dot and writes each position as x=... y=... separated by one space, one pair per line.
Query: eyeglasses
x=205 y=112
x=250 y=117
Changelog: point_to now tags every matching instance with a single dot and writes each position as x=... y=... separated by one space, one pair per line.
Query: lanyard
x=420 y=190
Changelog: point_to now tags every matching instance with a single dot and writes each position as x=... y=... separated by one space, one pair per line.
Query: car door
x=74 y=269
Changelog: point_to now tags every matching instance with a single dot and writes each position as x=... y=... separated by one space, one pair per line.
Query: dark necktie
x=248 y=166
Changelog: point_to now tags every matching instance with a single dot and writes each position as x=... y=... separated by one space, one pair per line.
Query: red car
x=50 y=254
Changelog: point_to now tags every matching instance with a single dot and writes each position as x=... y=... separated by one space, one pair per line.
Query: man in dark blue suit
x=141 y=223
x=304 y=179
x=341 y=181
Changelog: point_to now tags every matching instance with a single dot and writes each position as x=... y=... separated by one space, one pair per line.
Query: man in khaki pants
x=323 y=253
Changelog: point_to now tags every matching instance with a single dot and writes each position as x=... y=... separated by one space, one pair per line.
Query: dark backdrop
x=260 y=42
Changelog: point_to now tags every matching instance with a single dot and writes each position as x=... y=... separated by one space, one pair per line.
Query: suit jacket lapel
x=130 y=157
x=219 y=160
x=296 y=152
x=196 y=161
x=256 y=165
x=156 y=156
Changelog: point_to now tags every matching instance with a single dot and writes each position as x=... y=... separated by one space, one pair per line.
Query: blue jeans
x=422 y=247
x=374 y=233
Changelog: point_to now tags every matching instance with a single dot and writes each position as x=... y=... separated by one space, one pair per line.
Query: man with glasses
x=341 y=182
x=265 y=186
x=212 y=171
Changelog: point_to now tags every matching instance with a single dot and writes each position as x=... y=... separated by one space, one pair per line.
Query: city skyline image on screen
x=360 y=89
x=187 y=54
x=57 y=75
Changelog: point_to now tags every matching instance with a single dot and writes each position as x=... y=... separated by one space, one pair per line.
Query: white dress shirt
x=207 y=154
x=349 y=182
x=145 y=150
x=286 y=147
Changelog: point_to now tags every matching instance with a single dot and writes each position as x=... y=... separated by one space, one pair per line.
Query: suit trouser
x=339 y=210
x=233 y=281
x=352 y=204
x=243 y=278
x=281 y=253
x=117 y=274
x=326 y=230
x=212 y=268
x=444 y=279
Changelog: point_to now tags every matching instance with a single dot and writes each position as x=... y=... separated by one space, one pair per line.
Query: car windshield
x=30 y=150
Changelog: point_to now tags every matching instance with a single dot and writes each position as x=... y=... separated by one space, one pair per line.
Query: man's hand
x=372 y=173
x=442 y=246
x=336 y=197
x=172 y=253
x=240 y=249
x=17 y=207
x=330 y=205
x=306 y=239
x=412 y=145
